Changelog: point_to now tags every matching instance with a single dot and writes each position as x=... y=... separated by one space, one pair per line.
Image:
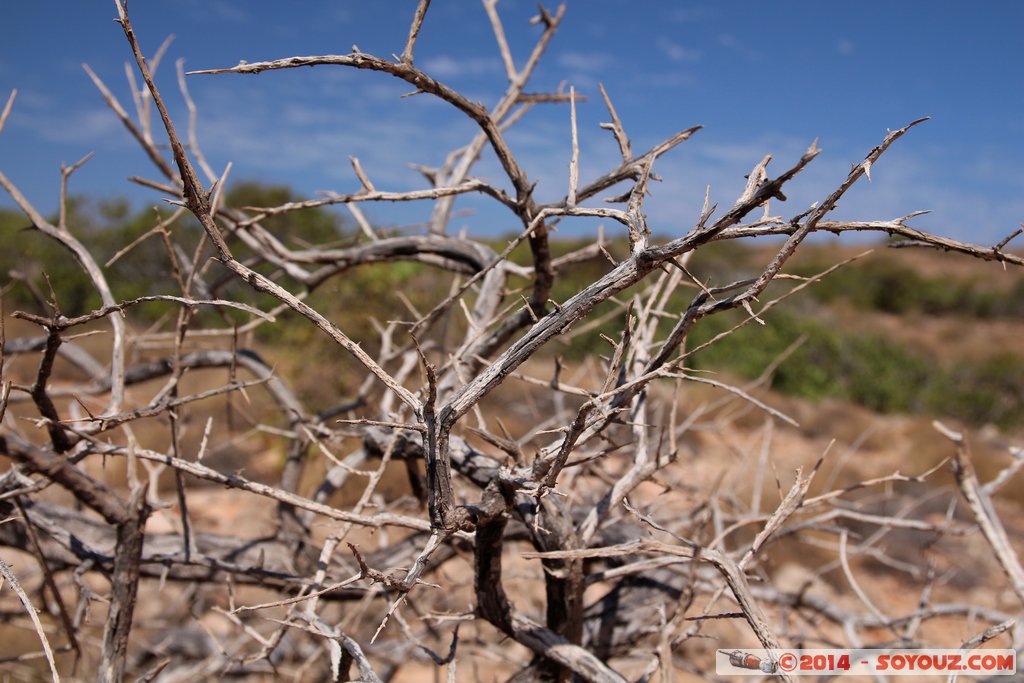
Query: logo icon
x=745 y=660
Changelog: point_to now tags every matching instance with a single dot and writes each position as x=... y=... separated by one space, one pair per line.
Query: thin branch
x=414 y=31
x=983 y=510
x=7 y=109
x=12 y=581
x=574 y=161
x=616 y=127
x=415 y=77
x=65 y=174
x=491 y=7
x=151 y=151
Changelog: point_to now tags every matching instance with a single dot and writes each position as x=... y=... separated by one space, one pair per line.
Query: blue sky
x=761 y=77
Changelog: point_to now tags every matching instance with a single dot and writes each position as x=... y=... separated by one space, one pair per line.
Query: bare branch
x=491 y=7
x=151 y=151
x=7 y=109
x=12 y=581
x=984 y=512
x=415 y=77
x=637 y=478
x=616 y=127
x=414 y=30
x=574 y=162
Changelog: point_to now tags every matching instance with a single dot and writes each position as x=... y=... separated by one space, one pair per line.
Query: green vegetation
x=37 y=254
x=828 y=363
x=106 y=227
x=868 y=369
x=109 y=226
x=989 y=390
x=888 y=285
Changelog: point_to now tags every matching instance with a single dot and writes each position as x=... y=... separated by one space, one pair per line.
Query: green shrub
x=867 y=369
x=884 y=284
x=110 y=225
x=989 y=390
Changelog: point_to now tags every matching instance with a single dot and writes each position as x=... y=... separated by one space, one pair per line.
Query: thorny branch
x=603 y=481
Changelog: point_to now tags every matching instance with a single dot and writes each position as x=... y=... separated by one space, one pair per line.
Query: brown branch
x=414 y=30
x=65 y=173
x=124 y=588
x=37 y=550
x=7 y=576
x=471 y=185
x=239 y=482
x=630 y=169
x=491 y=7
x=7 y=109
x=413 y=76
x=896 y=227
x=63 y=323
x=494 y=606
x=616 y=127
x=39 y=394
x=983 y=511
x=440 y=495
x=87 y=490
x=460 y=162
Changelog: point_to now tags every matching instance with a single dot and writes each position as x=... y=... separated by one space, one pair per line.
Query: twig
x=7 y=109
x=738 y=392
x=983 y=510
x=414 y=30
x=358 y=168
x=12 y=581
x=574 y=161
x=69 y=629
x=491 y=7
x=616 y=127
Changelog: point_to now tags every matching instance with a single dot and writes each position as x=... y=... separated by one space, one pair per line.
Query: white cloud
x=685 y=15
x=301 y=115
x=93 y=127
x=203 y=10
x=676 y=52
x=310 y=141
x=229 y=12
x=338 y=14
x=32 y=99
x=587 y=62
x=731 y=42
x=674 y=78
x=444 y=66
